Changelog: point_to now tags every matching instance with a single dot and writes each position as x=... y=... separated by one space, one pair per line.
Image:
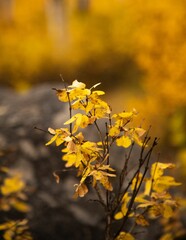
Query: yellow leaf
x=53 y=139
x=20 y=206
x=125 y=200
x=163 y=183
x=167 y=211
x=62 y=95
x=136 y=179
x=98 y=92
x=70 y=158
x=114 y=131
x=167 y=236
x=124 y=236
x=73 y=118
x=100 y=176
x=158 y=168
x=140 y=220
x=156 y=211
x=5 y=225
x=148 y=187
x=118 y=216
x=124 y=141
x=140 y=131
x=12 y=185
x=59 y=137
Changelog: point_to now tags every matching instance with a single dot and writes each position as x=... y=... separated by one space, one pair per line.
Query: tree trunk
x=7 y=10
x=57 y=21
x=83 y=5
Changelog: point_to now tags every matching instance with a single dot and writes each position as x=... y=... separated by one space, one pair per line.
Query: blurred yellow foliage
x=137 y=47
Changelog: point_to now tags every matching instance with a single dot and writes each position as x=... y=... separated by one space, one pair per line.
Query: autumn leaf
x=140 y=220
x=124 y=141
x=76 y=84
x=124 y=208
x=158 y=168
x=124 y=236
x=59 y=135
x=114 y=131
x=164 y=182
x=81 y=190
x=12 y=185
x=148 y=187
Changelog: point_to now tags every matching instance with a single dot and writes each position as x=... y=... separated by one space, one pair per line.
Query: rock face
x=55 y=215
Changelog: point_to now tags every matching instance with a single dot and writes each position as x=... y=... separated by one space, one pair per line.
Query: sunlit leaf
x=76 y=84
x=124 y=141
x=158 y=168
x=118 y=216
x=148 y=187
x=114 y=131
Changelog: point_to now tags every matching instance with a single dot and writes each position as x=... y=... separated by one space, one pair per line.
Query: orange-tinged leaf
x=72 y=147
x=56 y=177
x=81 y=190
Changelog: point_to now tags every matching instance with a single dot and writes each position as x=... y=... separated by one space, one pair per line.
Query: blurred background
x=135 y=48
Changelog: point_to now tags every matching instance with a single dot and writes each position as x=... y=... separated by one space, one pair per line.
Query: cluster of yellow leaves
x=86 y=100
x=17 y=230
x=155 y=200
x=12 y=189
x=129 y=134
x=90 y=157
x=160 y=202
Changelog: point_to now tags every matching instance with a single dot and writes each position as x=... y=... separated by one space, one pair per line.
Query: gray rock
x=55 y=215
